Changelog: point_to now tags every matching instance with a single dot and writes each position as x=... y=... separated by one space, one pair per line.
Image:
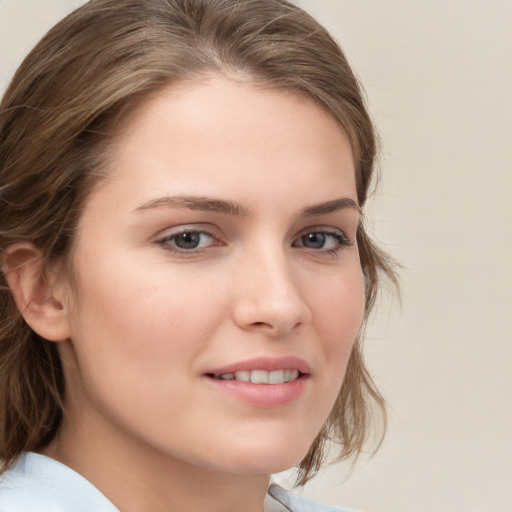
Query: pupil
x=314 y=240
x=189 y=240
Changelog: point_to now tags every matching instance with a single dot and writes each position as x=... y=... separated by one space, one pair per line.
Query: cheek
x=338 y=303
x=338 y=309
x=136 y=339
x=143 y=317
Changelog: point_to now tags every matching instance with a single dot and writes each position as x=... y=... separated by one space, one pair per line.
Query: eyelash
x=166 y=242
x=341 y=242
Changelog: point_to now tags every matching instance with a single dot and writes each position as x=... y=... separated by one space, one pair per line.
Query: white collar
x=37 y=482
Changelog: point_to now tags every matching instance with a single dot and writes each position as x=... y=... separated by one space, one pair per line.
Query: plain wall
x=439 y=77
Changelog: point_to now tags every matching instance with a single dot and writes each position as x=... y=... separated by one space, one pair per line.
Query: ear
x=36 y=294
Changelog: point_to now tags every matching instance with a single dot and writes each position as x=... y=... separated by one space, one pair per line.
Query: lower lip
x=262 y=395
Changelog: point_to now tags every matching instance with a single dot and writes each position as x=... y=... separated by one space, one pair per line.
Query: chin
x=265 y=458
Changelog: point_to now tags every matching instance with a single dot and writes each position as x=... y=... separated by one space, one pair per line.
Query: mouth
x=260 y=376
x=264 y=382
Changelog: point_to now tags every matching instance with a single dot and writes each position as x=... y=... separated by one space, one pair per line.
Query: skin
x=146 y=321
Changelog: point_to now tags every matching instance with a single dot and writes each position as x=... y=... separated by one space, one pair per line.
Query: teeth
x=276 y=377
x=243 y=376
x=262 y=376
x=259 y=377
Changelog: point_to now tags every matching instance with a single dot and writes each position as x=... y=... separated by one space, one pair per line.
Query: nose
x=269 y=298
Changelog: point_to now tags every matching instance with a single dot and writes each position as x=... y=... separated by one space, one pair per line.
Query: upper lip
x=268 y=364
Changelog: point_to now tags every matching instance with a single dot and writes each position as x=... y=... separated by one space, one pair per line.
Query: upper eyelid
x=171 y=231
x=324 y=229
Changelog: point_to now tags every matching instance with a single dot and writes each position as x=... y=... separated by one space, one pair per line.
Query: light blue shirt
x=36 y=483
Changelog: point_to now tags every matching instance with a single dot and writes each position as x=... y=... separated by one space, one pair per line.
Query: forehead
x=219 y=137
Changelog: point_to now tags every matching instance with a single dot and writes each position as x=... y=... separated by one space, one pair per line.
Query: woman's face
x=220 y=250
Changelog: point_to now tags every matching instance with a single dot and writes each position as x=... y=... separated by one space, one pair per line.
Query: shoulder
x=36 y=482
x=295 y=503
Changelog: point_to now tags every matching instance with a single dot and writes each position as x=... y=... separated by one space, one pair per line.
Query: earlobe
x=35 y=292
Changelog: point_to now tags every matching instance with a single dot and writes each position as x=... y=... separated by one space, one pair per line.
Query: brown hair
x=87 y=73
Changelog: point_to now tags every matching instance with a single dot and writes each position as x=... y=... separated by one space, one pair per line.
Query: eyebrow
x=330 y=207
x=210 y=204
x=198 y=203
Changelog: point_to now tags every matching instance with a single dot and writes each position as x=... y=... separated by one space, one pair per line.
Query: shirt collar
x=37 y=482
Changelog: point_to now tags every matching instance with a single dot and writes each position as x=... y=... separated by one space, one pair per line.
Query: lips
x=266 y=382
x=262 y=370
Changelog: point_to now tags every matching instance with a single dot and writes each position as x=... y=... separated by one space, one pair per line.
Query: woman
x=185 y=272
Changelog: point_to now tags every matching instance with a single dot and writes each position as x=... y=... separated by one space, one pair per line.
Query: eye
x=323 y=241
x=189 y=240
x=314 y=240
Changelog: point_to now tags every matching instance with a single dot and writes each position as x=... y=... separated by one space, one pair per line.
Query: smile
x=260 y=376
x=264 y=382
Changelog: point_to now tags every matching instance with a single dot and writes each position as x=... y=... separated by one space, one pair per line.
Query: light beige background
x=439 y=78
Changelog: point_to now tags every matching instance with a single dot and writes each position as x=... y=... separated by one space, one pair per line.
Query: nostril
x=277 y=327
x=262 y=324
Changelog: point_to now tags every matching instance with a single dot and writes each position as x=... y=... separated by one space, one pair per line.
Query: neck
x=137 y=478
